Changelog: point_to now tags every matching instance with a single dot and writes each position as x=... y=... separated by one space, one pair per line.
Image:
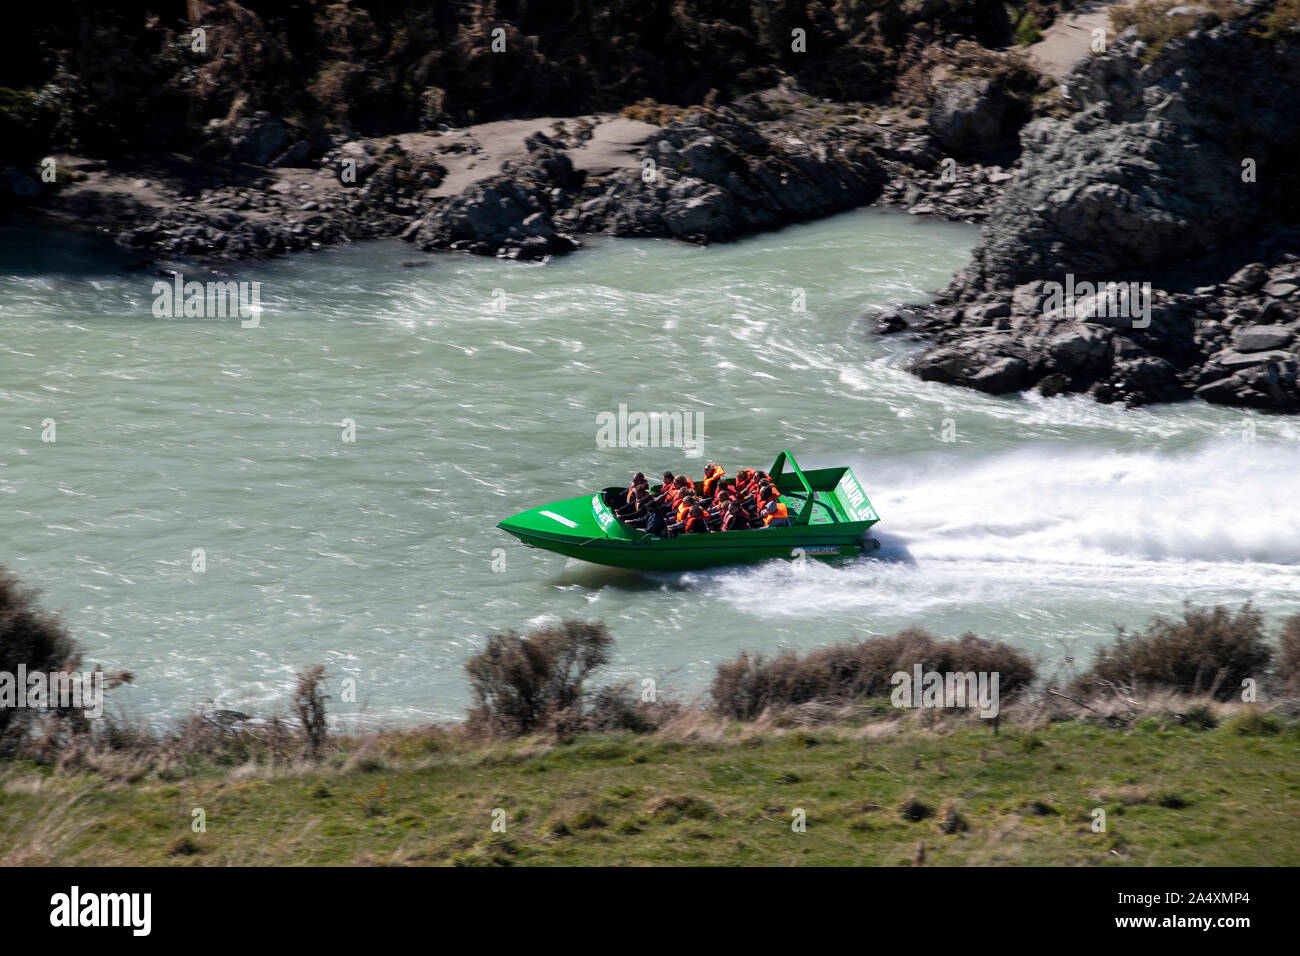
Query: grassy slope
x=1172 y=796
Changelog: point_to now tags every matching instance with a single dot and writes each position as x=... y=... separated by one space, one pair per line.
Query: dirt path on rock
x=477 y=152
x=1070 y=37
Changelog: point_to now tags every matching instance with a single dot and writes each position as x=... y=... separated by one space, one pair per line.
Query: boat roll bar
x=805 y=513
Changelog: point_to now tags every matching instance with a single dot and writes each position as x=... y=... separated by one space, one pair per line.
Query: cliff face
x=1149 y=173
x=1177 y=180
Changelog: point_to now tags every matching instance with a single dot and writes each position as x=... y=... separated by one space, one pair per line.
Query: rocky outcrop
x=510 y=214
x=715 y=176
x=1234 y=343
x=377 y=196
x=1153 y=169
x=1170 y=175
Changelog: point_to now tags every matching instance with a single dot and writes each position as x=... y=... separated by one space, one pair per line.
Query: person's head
x=638 y=478
x=696 y=510
x=680 y=481
x=668 y=477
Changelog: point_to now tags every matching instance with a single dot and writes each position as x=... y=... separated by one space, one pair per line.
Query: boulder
x=1262 y=338
x=967 y=116
x=988 y=368
x=257 y=139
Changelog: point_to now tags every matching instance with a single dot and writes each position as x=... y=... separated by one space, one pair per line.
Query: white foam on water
x=1056 y=527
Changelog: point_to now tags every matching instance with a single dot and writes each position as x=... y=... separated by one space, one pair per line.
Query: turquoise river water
x=475 y=387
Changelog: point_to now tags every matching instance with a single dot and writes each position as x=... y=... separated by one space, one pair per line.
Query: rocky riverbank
x=228 y=130
x=1146 y=250
x=528 y=189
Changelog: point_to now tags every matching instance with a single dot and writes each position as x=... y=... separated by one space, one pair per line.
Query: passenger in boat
x=775 y=514
x=725 y=496
x=712 y=475
x=668 y=492
x=637 y=503
x=666 y=487
x=654 y=522
x=755 y=484
x=735 y=518
x=638 y=481
x=695 y=522
x=686 y=503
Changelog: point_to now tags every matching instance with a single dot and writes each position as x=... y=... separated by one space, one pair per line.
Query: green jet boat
x=830 y=515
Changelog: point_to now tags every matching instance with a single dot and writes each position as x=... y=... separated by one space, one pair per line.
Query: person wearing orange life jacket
x=695 y=522
x=665 y=487
x=764 y=493
x=712 y=475
x=775 y=514
x=688 y=502
x=638 y=481
x=756 y=482
x=675 y=491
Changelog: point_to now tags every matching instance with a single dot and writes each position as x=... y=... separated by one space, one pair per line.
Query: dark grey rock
x=967 y=116
x=257 y=139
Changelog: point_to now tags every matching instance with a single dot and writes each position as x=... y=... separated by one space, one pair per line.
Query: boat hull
x=695 y=552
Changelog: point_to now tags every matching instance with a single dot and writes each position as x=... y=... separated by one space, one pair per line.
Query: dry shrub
x=618 y=707
x=526 y=683
x=309 y=701
x=1207 y=651
x=38 y=641
x=1155 y=27
x=746 y=687
x=936 y=66
x=648 y=110
x=1288 y=658
x=1282 y=20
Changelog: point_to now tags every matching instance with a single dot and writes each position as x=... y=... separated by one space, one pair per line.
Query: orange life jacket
x=711 y=482
x=780 y=511
x=695 y=524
